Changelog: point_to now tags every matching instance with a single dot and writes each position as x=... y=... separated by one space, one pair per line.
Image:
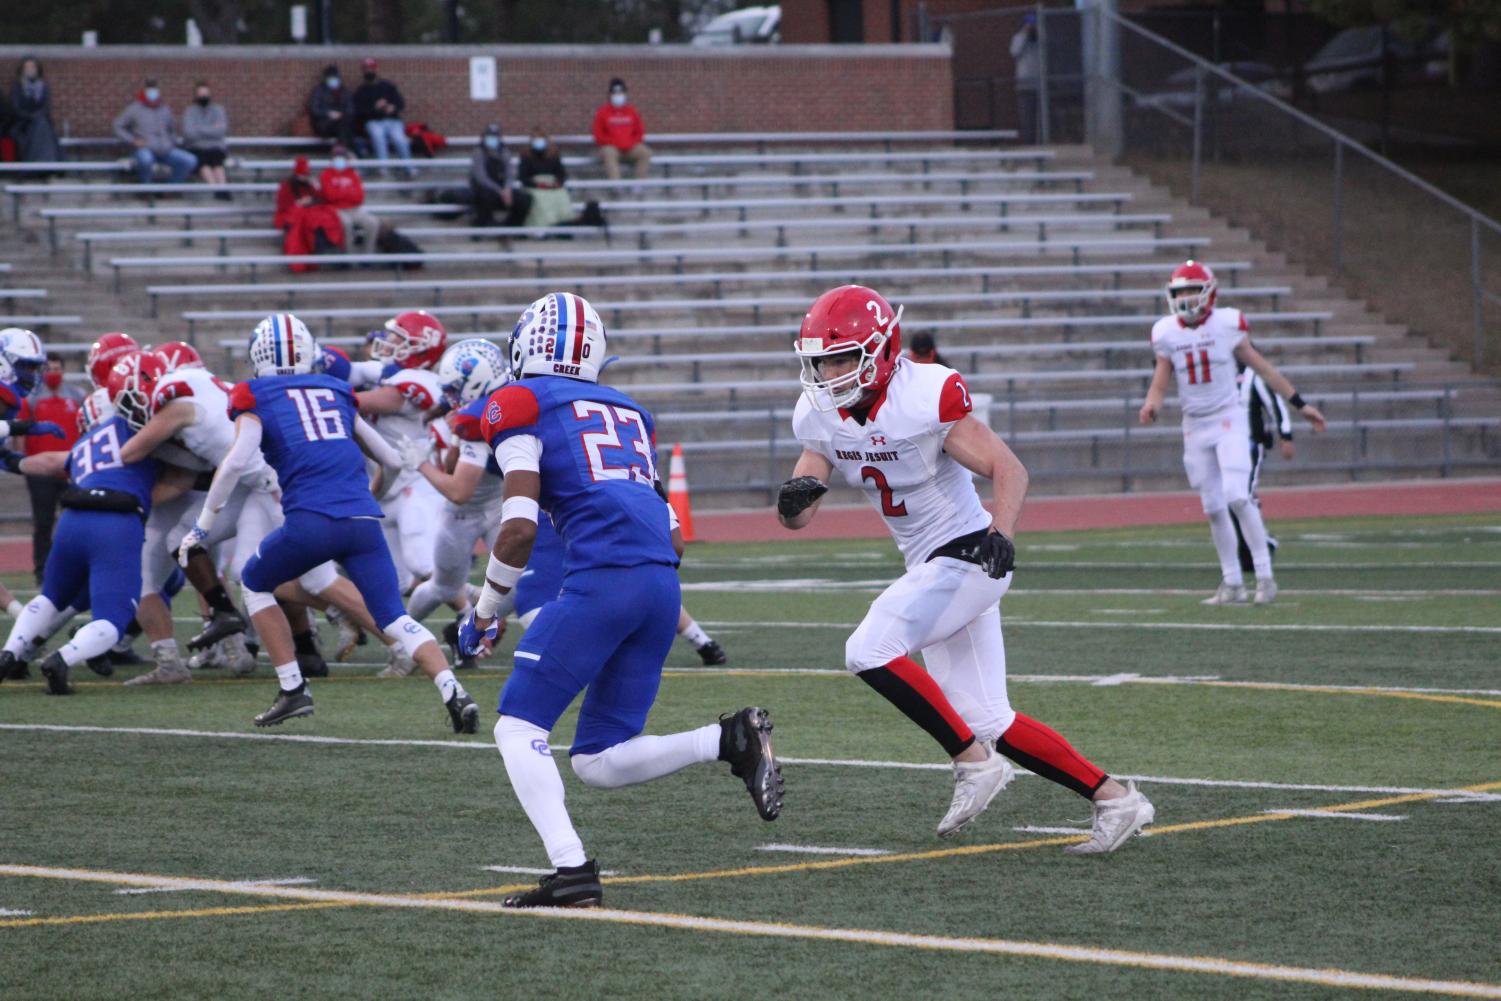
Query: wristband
x=524 y=508
x=1296 y=400
x=502 y=574
x=488 y=602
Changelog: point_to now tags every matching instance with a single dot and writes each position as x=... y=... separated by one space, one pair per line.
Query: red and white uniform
x=1216 y=436
x=947 y=609
x=413 y=506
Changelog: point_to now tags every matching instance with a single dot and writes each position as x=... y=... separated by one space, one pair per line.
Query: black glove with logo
x=797 y=495
x=996 y=555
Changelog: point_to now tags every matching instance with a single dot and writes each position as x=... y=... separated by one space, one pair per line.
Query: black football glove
x=996 y=555
x=797 y=495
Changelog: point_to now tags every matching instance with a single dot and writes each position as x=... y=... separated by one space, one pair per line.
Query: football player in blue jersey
x=21 y=362
x=585 y=453
x=307 y=426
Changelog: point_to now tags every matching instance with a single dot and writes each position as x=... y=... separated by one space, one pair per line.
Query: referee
x=1270 y=424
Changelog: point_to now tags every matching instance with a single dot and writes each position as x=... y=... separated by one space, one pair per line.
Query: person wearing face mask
x=31 y=107
x=344 y=192
x=205 y=124
x=58 y=403
x=147 y=126
x=492 y=182
x=331 y=109
x=544 y=177
x=378 y=106
x=618 y=132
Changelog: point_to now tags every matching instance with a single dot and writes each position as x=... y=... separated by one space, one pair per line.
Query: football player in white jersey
x=1200 y=344
x=903 y=433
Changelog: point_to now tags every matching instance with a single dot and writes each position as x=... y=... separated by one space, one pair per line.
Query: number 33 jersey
x=897 y=456
x=595 y=449
x=1203 y=359
x=307 y=435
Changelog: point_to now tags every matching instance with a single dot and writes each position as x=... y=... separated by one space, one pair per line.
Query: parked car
x=1352 y=59
x=1179 y=90
x=746 y=26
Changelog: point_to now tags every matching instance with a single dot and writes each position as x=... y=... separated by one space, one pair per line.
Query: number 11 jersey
x=307 y=436
x=1203 y=359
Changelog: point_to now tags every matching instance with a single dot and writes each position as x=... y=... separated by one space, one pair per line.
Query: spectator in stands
x=618 y=132
x=544 y=177
x=147 y=126
x=31 y=109
x=330 y=108
x=1024 y=50
x=59 y=403
x=492 y=182
x=308 y=226
x=378 y=106
x=205 y=126
x=344 y=192
x=923 y=348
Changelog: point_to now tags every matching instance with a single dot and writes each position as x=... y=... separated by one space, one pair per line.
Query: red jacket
x=60 y=410
x=619 y=127
x=342 y=189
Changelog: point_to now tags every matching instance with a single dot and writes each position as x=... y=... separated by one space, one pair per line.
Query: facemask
x=29 y=73
x=540 y=145
x=53 y=379
x=340 y=163
x=492 y=142
x=333 y=82
x=617 y=99
x=202 y=102
x=369 y=77
x=153 y=95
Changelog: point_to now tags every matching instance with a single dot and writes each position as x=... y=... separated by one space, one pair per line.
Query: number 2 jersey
x=896 y=457
x=597 y=464
x=1203 y=359
x=307 y=436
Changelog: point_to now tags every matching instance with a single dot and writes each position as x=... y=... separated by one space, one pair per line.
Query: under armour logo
x=878 y=439
x=540 y=746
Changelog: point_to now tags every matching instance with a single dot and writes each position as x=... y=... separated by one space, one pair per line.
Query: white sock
x=1223 y=531
x=90 y=641
x=1254 y=530
x=31 y=625
x=290 y=676
x=539 y=788
x=644 y=758
x=424 y=599
x=59 y=619
x=14 y=608
x=166 y=644
x=693 y=634
x=448 y=685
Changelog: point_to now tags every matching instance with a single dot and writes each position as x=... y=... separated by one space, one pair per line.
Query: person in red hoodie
x=303 y=218
x=59 y=404
x=618 y=132
x=345 y=194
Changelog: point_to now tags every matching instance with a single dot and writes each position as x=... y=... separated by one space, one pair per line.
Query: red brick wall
x=678 y=89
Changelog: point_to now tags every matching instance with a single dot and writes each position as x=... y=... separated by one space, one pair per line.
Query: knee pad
x=410 y=633
x=320 y=578
x=257 y=601
x=592 y=769
x=515 y=733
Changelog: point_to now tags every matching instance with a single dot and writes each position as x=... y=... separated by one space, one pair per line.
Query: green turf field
x=1369 y=696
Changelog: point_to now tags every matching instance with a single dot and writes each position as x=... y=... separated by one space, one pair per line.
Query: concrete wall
x=677 y=88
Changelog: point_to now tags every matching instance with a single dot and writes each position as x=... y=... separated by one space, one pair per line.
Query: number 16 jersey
x=307 y=436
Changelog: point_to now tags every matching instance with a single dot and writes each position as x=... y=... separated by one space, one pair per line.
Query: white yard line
x=1052 y=830
x=1248 y=623
x=294 y=881
x=1338 y=816
x=819 y=850
x=14 y=914
x=899 y=940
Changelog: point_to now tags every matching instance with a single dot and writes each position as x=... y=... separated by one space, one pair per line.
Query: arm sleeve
x=477 y=173
x=380 y=450
x=519 y=452
x=638 y=129
x=472 y=453
x=954 y=402
x=241 y=458
x=122 y=132
x=601 y=138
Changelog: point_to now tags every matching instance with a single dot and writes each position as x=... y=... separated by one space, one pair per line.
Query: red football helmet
x=857 y=323
x=414 y=339
x=107 y=350
x=131 y=384
x=1191 y=291
x=179 y=354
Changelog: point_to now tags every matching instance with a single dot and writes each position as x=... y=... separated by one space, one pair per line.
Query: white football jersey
x=211 y=433
x=897 y=457
x=420 y=391
x=488 y=493
x=1203 y=359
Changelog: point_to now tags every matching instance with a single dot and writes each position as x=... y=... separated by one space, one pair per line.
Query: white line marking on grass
x=818 y=850
x=523 y=870
x=1114 y=679
x=294 y=881
x=1264 y=627
x=14 y=914
x=1472 y=797
x=1339 y=816
x=1129 y=611
x=1052 y=830
x=900 y=940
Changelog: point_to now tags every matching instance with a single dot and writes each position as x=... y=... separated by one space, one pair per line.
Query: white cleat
x=169 y=670
x=1228 y=594
x=1266 y=590
x=350 y=634
x=399 y=664
x=1115 y=820
x=233 y=655
x=975 y=785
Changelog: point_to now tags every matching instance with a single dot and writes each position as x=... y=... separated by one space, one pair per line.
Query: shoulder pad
x=8 y=395
x=466 y=425
x=953 y=400
x=418 y=386
x=509 y=408
x=241 y=400
x=175 y=389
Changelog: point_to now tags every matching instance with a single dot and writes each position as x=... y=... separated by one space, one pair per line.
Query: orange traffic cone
x=677 y=493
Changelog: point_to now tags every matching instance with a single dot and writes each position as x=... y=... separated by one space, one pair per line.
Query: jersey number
x=595 y=441
x=107 y=442
x=1202 y=373
x=318 y=423
x=889 y=507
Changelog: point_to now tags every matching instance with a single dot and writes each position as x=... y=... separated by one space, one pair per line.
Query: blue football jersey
x=307 y=436
x=598 y=466
x=94 y=463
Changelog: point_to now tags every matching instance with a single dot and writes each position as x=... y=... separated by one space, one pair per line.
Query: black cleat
x=570 y=886
x=745 y=742
x=226 y=622
x=288 y=705
x=100 y=665
x=451 y=637
x=55 y=670
x=13 y=667
x=312 y=665
x=712 y=654
x=463 y=712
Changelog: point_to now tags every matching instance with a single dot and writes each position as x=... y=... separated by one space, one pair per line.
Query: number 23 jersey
x=896 y=457
x=307 y=435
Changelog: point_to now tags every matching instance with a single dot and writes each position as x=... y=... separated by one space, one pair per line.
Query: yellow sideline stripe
x=203 y=912
x=1272 y=686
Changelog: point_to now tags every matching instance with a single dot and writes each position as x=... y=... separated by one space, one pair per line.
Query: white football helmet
x=21 y=357
x=95 y=410
x=559 y=334
x=472 y=369
x=283 y=345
